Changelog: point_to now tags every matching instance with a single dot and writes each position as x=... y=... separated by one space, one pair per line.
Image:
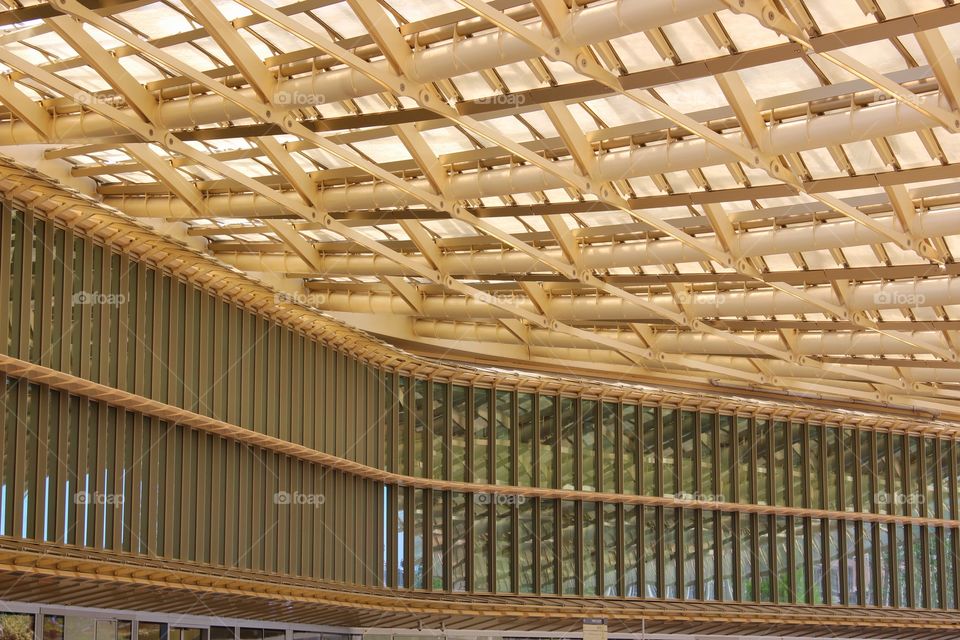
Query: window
x=458 y=434
x=549 y=444
x=481 y=436
x=526 y=438
x=438 y=432
x=18 y=626
x=548 y=546
x=631 y=450
x=504 y=437
x=589 y=445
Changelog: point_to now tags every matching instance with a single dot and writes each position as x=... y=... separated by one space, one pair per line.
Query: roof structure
x=748 y=194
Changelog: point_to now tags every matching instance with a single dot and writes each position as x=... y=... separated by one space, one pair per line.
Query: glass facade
x=614 y=548
x=648 y=500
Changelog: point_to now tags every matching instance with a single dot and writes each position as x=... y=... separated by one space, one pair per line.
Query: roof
x=747 y=196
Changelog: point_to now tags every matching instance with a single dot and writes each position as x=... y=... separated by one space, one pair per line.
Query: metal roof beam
x=943 y=63
x=230 y=40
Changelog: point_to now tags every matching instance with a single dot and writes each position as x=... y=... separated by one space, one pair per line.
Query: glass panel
x=851 y=469
x=568 y=443
x=931 y=465
x=745 y=456
x=458 y=542
x=458 y=434
x=149 y=631
x=836 y=595
x=439 y=435
x=747 y=584
x=419 y=428
x=726 y=461
x=481 y=545
x=782 y=576
x=419 y=527
x=608 y=448
x=764 y=553
x=797 y=464
x=901 y=577
x=53 y=628
x=526 y=414
x=107 y=630
x=817 y=559
x=869 y=565
x=17 y=626
x=651 y=454
x=651 y=552
x=670 y=555
x=947 y=486
x=78 y=628
x=437 y=541
x=898 y=489
x=548 y=441
x=914 y=488
x=800 y=546
x=569 y=546
x=815 y=465
x=590 y=558
x=589 y=445
x=687 y=469
x=669 y=454
x=708 y=487
x=883 y=487
x=936 y=593
x=950 y=567
x=609 y=552
x=885 y=558
x=504 y=441
x=780 y=477
x=504 y=546
x=762 y=443
x=526 y=541
x=631 y=550
x=403 y=425
x=390 y=399
x=631 y=449
x=851 y=563
x=689 y=551
x=548 y=546
x=481 y=436
x=867 y=479
x=708 y=550
x=833 y=475
x=919 y=584
x=728 y=555
x=401 y=537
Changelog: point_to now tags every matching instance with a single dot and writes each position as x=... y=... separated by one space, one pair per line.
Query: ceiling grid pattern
x=753 y=194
